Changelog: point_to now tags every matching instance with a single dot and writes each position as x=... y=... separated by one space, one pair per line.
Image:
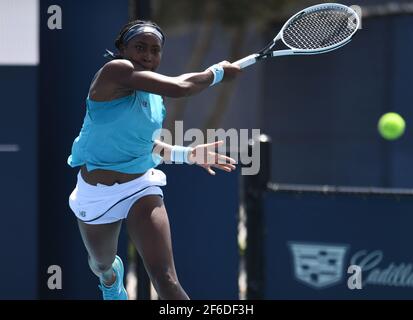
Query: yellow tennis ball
x=391 y=126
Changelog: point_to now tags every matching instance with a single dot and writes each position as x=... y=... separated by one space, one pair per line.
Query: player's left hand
x=204 y=155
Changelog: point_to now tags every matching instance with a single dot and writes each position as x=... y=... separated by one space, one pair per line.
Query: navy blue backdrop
x=68 y=60
x=322 y=111
x=18 y=229
x=203 y=211
x=312 y=239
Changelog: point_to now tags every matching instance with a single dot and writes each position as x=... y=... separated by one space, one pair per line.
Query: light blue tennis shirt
x=118 y=135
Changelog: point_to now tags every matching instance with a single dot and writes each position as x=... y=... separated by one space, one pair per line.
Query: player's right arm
x=123 y=74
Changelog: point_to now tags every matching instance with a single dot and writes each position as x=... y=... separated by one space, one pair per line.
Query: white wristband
x=180 y=154
x=218 y=72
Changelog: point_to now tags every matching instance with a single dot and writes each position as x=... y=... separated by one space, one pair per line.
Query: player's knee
x=166 y=281
x=100 y=266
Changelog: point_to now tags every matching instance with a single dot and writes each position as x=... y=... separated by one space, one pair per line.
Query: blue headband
x=142 y=28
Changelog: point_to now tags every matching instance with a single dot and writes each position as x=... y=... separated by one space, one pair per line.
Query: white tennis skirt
x=106 y=204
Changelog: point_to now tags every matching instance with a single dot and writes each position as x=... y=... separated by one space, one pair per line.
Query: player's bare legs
x=101 y=242
x=148 y=227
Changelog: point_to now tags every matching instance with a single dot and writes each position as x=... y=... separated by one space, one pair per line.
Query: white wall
x=19 y=32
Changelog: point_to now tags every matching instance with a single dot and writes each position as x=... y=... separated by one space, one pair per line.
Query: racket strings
x=320 y=29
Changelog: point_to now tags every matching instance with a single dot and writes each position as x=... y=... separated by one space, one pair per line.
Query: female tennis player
x=117 y=153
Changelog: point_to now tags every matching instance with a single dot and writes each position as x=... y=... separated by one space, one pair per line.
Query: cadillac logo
x=317 y=265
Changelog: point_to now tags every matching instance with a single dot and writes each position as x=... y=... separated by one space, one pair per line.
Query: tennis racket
x=315 y=30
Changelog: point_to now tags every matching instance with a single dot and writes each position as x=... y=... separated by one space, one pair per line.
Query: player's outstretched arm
x=122 y=73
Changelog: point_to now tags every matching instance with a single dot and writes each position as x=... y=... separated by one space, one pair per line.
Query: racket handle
x=247 y=61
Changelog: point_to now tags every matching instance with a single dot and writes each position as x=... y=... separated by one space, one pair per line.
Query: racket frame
x=267 y=53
